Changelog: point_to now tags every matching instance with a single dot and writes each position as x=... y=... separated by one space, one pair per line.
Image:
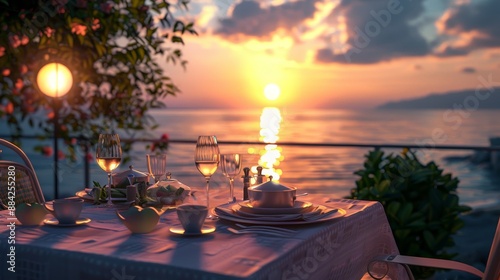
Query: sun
x=272 y=91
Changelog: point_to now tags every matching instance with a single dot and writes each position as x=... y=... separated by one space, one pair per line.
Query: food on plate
x=100 y=193
x=168 y=195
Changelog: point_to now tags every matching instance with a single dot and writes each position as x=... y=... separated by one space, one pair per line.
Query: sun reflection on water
x=271 y=155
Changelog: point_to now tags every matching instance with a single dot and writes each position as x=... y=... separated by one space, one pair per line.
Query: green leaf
x=429 y=239
x=405 y=212
x=177 y=39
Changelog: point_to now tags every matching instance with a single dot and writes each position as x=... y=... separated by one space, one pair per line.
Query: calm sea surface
x=311 y=169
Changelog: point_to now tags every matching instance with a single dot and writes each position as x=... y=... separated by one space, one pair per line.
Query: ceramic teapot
x=140 y=220
x=30 y=213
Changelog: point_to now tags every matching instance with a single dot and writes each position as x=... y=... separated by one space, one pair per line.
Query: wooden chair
x=492 y=270
x=26 y=187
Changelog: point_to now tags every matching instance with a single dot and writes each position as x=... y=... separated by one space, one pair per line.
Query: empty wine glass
x=231 y=166
x=206 y=159
x=157 y=165
x=108 y=155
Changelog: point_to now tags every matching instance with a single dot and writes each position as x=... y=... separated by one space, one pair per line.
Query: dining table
x=336 y=248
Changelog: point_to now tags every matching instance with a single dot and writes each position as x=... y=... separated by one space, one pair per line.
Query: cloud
x=362 y=31
x=468 y=70
x=377 y=30
x=249 y=19
x=472 y=26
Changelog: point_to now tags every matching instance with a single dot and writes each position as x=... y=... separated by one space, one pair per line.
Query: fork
x=259 y=231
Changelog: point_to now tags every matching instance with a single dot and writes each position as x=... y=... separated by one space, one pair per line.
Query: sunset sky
x=334 y=53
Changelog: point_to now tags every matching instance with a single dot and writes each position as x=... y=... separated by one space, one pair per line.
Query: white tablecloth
x=105 y=249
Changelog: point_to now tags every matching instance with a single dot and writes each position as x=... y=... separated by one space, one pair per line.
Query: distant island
x=483 y=99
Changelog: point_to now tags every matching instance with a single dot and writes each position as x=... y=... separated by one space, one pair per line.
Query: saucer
x=299 y=207
x=205 y=229
x=55 y=222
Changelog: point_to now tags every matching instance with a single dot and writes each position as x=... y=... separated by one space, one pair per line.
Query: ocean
x=325 y=170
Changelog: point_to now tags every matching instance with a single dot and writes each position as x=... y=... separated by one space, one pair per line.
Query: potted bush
x=420 y=202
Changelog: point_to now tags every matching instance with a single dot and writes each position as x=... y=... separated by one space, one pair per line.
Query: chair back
x=492 y=271
x=18 y=182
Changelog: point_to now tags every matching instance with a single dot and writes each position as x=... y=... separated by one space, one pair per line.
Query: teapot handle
x=120 y=216
x=51 y=211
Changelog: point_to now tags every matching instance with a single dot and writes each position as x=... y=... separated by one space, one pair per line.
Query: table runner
x=105 y=249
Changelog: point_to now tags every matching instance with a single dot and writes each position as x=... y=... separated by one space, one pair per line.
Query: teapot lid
x=132 y=171
x=271 y=186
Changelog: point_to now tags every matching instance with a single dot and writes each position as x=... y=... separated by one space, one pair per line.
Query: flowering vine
x=114 y=50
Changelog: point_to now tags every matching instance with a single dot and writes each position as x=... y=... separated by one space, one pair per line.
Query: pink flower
x=25 y=40
x=95 y=24
x=47 y=151
x=60 y=155
x=143 y=8
x=14 y=41
x=49 y=31
x=23 y=69
x=6 y=72
x=89 y=157
x=106 y=7
x=19 y=84
x=78 y=29
x=2 y=51
x=9 y=108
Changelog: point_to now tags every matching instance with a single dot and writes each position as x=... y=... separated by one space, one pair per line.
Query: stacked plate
x=300 y=213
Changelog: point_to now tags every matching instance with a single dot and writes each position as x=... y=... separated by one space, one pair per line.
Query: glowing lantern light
x=54 y=80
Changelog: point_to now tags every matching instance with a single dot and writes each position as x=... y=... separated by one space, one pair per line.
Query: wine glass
x=206 y=159
x=108 y=155
x=157 y=165
x=231 y=166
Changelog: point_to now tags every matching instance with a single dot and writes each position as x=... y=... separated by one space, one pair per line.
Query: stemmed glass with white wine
x=231 y=167
x=108 y=155
x=206 y=159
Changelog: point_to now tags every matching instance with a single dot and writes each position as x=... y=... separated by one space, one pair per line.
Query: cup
x=66 y=211
x=192 y=217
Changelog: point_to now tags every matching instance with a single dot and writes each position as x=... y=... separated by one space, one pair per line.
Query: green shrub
x=420 y=202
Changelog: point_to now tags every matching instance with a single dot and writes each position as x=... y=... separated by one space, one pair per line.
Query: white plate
x=55 y=222
x=83 y=194
x=227 y=214
x=205 y=229
x=298 y=207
